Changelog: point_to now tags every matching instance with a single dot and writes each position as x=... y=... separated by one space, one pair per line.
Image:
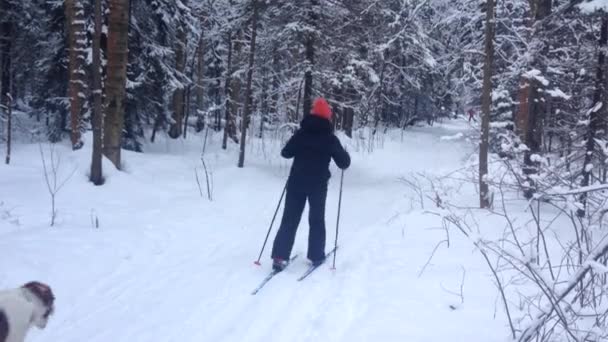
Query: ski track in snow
x=168 y=265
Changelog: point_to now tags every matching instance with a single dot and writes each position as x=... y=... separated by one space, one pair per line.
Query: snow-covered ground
x=166 y=264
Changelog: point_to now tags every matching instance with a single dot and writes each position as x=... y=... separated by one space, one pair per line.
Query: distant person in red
x=471 y=114
x=312 y=147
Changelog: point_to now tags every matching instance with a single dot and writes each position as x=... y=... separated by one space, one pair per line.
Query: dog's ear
x=44 y=293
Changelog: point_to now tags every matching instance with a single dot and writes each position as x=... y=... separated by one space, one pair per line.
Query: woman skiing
x=312 y=147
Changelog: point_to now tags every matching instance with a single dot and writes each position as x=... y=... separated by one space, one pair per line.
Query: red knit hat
x=321 y=109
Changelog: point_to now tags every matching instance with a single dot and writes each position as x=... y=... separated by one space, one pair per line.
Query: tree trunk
x=132 y=129
x=175 y=131
x=1 y=65
x=96 y=166
x=247 y=109
x=235 y=102
x=159 y=122
x=9 y=127
x=349 y=117
x=531 y=109
x=294 y=117
x=5 y=59
x=596 y=113
x=117 y=42
x=200 y=74
x=310 y=59
x=264 y=105
x=484 y=193
x=236 y=86
x=521 y=117
x=74 y=12
x=274 y=103
x=228 y=93
x=6 y=99
x=339 y=108
x=2 y=111
x=187 y=97
x=217 y=90
x=380 y=106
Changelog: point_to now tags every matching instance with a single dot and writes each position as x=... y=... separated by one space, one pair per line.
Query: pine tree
x=158 y=67
x=51 y=80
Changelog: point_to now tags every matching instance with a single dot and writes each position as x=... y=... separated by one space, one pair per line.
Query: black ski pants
x=294 y=206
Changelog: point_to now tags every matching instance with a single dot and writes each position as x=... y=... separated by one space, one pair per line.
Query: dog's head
x=45 y=296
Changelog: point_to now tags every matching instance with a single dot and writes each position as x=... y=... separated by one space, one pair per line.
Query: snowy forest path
x=168 y=265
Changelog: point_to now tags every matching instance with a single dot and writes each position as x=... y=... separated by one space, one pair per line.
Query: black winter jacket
x=312 y=147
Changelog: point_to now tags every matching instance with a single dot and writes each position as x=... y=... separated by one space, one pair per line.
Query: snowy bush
x=547 y=262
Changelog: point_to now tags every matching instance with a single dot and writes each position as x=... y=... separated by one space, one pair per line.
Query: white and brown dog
x=29 y=305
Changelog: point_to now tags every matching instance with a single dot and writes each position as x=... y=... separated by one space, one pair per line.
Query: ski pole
x=338 y=220
x=257 y=262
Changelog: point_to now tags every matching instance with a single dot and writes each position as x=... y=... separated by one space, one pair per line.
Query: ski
x=270 y=276
x=312 y=268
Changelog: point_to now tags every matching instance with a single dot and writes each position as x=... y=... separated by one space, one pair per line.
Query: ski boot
x=317 y=263
x=279 y=264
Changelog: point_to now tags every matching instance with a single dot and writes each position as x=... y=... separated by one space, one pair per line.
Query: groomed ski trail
x=168 y=265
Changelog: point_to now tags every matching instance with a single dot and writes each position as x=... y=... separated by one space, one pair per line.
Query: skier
x=312 y=147
x=471 y=115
